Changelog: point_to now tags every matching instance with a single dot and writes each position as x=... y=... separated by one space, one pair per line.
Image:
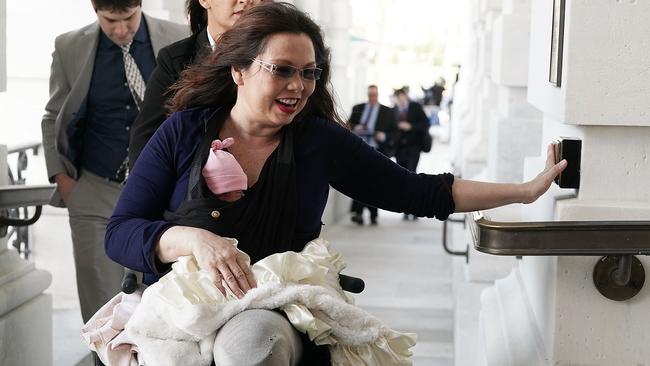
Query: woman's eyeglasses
x=288 y=71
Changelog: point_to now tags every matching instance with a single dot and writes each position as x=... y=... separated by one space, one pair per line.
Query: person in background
x=412 y=123
x=208 y=20
x=97 y=83
x=375 y=124
x=434 y=100
x=267 y=85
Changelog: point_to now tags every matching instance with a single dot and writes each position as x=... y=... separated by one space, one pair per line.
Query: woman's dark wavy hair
x=210 y=83
x=197 y=15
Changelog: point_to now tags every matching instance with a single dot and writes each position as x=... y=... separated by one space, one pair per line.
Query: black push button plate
x=569 y=149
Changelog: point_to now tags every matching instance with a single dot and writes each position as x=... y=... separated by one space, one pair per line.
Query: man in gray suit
x=97 y=82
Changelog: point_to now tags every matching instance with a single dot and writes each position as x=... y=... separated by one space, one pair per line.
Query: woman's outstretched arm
x=472 y=195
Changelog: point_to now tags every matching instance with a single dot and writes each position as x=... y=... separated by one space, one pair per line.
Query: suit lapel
x=82 y=64
x=158 y=34
x=86 y=55
x=202 y=44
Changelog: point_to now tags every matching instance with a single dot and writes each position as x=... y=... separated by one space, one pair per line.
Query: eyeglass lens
x=286 y=71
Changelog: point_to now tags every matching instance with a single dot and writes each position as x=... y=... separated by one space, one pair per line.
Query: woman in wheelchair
x=267 y=85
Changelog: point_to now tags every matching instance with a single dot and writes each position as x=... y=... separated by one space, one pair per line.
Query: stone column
x=548 y=312
x=502 y=128
x=25 y=312
x=464 y=97
x=515 y=127
x=173 y=10
x=333 y=16
x=473 y=139
x=3 y=45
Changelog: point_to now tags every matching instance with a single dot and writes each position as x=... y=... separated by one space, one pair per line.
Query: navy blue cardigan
x=326 y=154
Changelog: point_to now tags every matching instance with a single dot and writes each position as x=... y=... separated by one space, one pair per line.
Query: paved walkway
x=408 y=280
x=407 y=275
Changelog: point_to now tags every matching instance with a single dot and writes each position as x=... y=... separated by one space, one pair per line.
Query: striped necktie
x=133 y=76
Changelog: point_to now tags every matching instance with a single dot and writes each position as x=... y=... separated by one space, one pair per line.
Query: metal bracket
x=445 y=246
x=4 y=229
x=7 y=221
x=619 y=277
x=11 y=225
x=14 y=203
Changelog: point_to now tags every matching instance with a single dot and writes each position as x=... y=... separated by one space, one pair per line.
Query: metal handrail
x=618 y=275
x=559 y=237
x=12 y=224
x=22 y=161
x=25 y=196
x=10 y=221
x=13 y=200
x=33 y=145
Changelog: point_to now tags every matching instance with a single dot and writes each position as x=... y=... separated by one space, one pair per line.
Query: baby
x=223 y=174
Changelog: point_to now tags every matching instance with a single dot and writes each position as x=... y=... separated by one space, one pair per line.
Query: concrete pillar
x=500 y=129
x=3 y=45
x=333 y=16
x=548 y=311
x=172 y=10
x=515 y=127
x=470 y=140
x=464 y=99
x=25 y=312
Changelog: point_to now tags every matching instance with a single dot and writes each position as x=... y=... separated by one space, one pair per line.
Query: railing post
x=24 y=308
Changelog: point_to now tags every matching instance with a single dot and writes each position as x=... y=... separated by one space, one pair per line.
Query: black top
x=172 y=60
x=326 y=154
x=264 y=219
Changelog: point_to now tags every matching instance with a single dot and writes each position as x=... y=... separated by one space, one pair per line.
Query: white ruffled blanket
x=176 y=322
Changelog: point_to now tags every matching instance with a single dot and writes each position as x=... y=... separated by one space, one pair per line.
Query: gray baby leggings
x=255 y=338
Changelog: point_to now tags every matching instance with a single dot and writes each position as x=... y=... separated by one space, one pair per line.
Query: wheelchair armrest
x=129 y=282
x=351 y=284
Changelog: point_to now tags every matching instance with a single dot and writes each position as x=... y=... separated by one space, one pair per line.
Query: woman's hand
x=214 y=254
x=542 y=182
x=473 y=195
x=224 y=261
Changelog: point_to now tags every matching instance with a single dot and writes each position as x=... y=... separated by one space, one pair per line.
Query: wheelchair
x=130 y=284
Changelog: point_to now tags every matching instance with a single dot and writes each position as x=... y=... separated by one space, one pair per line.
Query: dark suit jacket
x=172 y=60
x=385 y=123
x=419 y=122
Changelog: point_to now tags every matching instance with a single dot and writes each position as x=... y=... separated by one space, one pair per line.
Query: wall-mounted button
x=215 y=214
x=569 y=149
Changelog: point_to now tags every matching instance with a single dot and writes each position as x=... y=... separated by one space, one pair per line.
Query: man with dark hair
x=375 y=124
x=115 y=5
x=97 y=82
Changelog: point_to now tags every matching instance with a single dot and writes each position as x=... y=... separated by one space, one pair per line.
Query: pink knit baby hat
x=222 y=172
